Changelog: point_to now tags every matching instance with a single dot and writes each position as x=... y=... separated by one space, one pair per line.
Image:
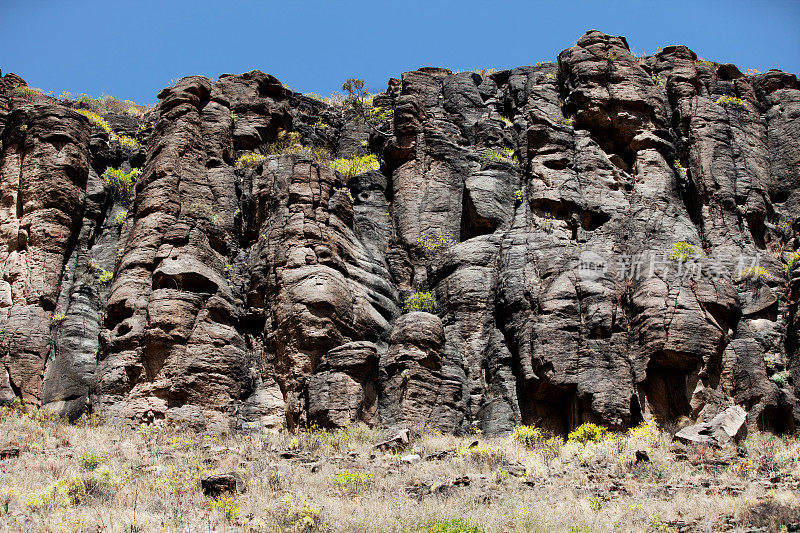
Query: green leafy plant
x=679 y=168
x=321 y=124
x=519 y=195
x=794 y=257
x=121 y=217
x=704 y=63
x=58 y=319
x=121 y=182
x=452 y=525
x=354 y=166
x=658 y=80
x=104 y=276
x=780 y=378
x=731 y=101
x=420 y=301
x=566 y=120
x=588 y=432
x=378 y=115
x=683 y=251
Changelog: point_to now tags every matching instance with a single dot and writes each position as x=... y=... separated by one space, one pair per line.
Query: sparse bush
x=434 y=244
x=658 y=80
x=321 y=124
x=32 y=95
x=755 y=273
x=794 y=257
x=378 y=115
x=596 y=503
x=679 y=168
x=528 y=436
x=566 y=120
x=731 y=100
x=227 y=506
x=453 y=525
x=704 y=63
x=489 y=455
x=780 y=378
x=420 y=301
x=349 y=482
x=249 y=160
x=90 y=461
x=121 y=217
x=588 y=432
x=304 y=515
x=108 y=104
x=58 y=319
x=518 y=195
x=547 y=221
x=505 y=155
x=356 y=165
x=683 y=251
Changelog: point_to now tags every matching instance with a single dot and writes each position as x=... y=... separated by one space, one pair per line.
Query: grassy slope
x=97 y=477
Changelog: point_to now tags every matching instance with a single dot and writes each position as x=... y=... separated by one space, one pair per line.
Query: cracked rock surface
x=540 y=206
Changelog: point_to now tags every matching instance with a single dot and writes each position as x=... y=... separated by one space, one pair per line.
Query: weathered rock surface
x=727 y=426
x=263 y=296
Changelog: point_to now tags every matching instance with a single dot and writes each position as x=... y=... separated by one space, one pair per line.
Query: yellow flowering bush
x=356 y=165
x=121 y=182
x=589 y=432
x=126 y=142
x=683 y=251
x=420 y=301
x=227 y=506
x=754 y=273
x=433 y=244
x=731 y=100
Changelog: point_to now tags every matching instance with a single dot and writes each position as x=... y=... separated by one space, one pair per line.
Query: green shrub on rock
x=420 y=301
x=356 y=165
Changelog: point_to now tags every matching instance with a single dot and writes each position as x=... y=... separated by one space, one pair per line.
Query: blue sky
x=133 y=49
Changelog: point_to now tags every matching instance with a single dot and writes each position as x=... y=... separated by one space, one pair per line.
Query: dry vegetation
x=95 y=477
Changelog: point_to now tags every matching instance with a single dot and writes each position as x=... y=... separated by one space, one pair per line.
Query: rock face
x=605 y=238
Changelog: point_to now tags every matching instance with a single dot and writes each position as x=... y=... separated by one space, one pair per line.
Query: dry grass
x=99 y=477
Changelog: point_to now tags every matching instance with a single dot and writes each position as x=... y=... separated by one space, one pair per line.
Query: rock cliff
x=608 y=238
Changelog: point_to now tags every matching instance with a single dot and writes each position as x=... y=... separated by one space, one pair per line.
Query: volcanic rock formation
x=605 y=238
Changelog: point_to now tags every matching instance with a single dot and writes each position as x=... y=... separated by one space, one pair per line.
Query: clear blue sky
x=133 y=49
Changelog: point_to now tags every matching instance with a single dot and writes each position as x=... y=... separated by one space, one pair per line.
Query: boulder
x=727 y=426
